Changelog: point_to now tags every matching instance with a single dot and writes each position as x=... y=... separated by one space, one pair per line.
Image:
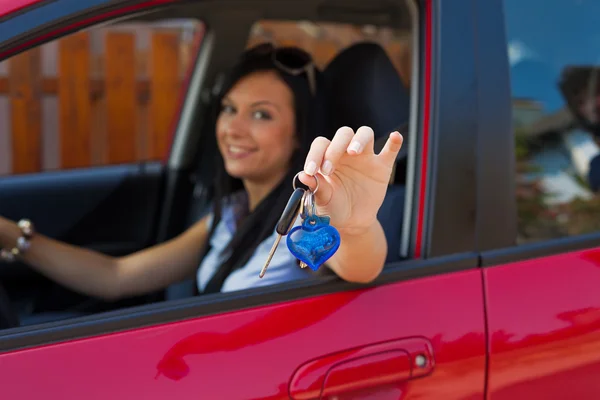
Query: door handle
x=363 y=368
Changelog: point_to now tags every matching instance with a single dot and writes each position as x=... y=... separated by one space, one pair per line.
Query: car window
x=112 y=92
x=554 y=55
x=91 y=98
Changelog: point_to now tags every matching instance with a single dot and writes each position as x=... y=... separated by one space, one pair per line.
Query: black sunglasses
x=291 y=60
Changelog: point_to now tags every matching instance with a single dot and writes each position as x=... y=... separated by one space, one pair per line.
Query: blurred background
x=62 y=105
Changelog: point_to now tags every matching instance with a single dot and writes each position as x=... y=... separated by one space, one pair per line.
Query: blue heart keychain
x=313 y=242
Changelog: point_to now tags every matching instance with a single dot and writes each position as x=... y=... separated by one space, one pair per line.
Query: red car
x=492 y=285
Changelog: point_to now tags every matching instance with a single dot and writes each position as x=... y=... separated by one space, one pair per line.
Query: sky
x=543 y=37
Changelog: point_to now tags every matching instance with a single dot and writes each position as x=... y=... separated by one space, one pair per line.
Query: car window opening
x=371 y=66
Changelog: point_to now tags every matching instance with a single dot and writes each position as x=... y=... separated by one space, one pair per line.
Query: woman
x=268 y=114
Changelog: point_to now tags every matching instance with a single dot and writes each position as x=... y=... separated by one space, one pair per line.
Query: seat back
x=366 y=89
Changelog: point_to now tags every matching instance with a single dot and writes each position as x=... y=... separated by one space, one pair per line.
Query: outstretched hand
x=352 y=179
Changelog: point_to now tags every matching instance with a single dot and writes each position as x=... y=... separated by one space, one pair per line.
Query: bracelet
x=23 y=242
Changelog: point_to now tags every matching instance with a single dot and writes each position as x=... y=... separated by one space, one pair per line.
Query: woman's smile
x=234 y=152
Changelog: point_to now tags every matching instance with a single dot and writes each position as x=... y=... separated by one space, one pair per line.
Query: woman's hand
x=353 y=179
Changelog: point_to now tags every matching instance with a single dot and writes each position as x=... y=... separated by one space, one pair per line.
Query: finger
x=324 y=191
x=391 y=148
x=315 y=155
x=336 y=149
x=363 y=140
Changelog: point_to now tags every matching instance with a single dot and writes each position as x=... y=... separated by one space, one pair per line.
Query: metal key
x=288 y=217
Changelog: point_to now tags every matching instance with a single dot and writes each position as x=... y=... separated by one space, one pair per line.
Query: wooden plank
x=98 y=139
x=120 y=97
x=164 y=87
x=50 y=87
x=143 y=60
x=25 y=106
x=74 y=101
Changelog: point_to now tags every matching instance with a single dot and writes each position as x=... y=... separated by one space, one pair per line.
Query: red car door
x=542 y=297
x=391 y=341
x=417 y=332
x=544 y=315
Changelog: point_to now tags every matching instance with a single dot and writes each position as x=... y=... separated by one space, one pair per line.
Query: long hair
x=259 y=224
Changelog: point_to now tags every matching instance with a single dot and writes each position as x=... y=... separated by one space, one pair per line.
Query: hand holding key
x=312 y=243
x=352 y=179
x=345 y=193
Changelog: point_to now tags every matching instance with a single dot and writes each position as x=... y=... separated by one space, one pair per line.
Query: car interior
x=120 y=209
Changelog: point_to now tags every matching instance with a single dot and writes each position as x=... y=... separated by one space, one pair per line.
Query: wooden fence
x=110 y=108
x=324 y=40
x=114 y=103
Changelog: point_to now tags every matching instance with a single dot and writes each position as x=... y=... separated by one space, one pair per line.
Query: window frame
x=428 y=117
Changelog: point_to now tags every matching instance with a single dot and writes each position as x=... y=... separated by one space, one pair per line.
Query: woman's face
x=256 y=128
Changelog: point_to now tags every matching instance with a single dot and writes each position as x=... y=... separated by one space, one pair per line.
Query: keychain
x=313 y=242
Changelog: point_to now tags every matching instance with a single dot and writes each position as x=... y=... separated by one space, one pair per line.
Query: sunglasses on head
x=291 y=60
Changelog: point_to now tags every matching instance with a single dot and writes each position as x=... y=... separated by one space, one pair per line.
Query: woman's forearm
x=82 y=270
x=361 y=255
x=99 y=275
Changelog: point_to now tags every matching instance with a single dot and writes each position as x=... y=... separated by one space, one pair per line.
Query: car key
x=286 y=221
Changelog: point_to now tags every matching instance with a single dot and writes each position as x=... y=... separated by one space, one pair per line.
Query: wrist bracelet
x=23 y=242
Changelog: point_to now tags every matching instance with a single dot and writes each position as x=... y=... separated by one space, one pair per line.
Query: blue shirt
x=283 y=266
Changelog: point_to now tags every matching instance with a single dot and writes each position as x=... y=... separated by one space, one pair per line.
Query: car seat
x=366 y=89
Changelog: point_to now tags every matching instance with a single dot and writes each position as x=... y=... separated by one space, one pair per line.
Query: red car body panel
x=253 y=354
x=10 y=6
x=544 y=325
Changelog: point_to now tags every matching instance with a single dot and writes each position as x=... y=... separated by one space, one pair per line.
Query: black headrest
x=366 y=89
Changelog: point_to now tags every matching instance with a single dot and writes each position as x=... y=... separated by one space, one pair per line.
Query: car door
x=418 y=331
x=81 y=154
x=542 y=297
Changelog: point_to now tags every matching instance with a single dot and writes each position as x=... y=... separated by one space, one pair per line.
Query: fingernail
x=327 y=167
x=354 y=146
x=311 y=168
